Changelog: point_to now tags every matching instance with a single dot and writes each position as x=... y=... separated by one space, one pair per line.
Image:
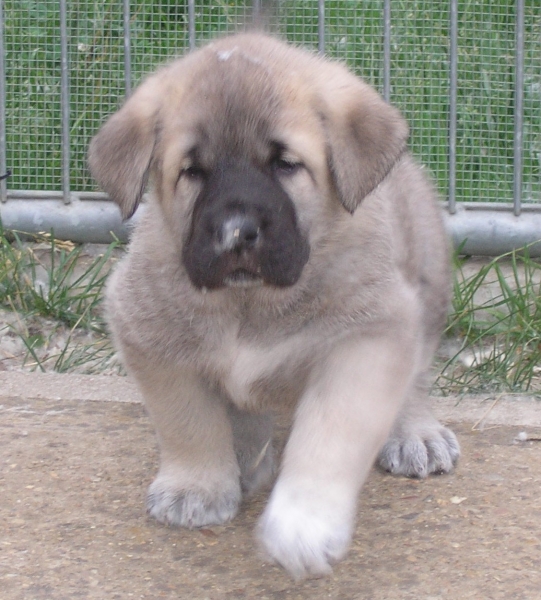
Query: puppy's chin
x=242 y=279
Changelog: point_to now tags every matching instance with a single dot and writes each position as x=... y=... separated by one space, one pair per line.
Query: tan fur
x=348 y=344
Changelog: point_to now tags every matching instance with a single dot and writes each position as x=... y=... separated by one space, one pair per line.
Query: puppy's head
x=250 y=144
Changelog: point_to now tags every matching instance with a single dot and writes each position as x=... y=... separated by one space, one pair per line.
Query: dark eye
x=283 y=166
x=193 y=172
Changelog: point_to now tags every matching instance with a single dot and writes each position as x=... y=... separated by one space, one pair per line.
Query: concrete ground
x=77 y=453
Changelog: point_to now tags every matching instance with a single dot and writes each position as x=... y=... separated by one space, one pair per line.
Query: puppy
x=291 y=253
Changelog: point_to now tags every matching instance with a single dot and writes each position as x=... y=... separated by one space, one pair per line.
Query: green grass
x=495 y=323
x=420 y=45
x=55 y=296
x=51 y=294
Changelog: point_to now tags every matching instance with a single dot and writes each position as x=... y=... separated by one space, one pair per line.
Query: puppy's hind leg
x=252 y=438
x=198 y=481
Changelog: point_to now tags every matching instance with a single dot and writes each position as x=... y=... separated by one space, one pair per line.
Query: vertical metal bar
x=453 y=91
x=387 y=50
x=127 y=47
x=191 y=24
x=256 y=10
x=519 y=107
x=3 y=184
x=65 y=101
x=321 y=26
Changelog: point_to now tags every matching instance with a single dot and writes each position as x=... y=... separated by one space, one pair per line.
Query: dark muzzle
x=244 y=232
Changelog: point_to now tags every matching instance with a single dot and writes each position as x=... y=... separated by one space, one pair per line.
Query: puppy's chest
x=257 y=374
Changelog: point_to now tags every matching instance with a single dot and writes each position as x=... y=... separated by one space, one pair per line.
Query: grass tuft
x=495 y=327
x=51 y=317
x=50 y=296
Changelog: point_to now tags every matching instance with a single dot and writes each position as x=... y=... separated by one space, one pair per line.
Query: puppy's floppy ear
x=365 y=137
x=121 y=153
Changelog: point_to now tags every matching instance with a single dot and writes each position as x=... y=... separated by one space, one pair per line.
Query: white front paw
x=305 y=531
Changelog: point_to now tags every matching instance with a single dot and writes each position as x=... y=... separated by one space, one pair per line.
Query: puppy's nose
x=239 y=232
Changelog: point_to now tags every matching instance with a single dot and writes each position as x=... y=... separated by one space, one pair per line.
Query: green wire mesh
x=353 y=33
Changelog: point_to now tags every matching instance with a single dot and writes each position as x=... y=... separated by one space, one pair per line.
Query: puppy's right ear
x=120 y=155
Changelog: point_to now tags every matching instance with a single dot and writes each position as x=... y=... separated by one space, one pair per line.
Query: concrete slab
x=77 y=453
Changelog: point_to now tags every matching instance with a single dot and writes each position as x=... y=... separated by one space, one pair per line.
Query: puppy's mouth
x=242 y=278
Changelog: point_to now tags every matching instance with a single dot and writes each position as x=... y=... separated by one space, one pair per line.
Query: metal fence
x=466 y=74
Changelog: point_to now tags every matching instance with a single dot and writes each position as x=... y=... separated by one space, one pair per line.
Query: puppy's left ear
x=365 y=136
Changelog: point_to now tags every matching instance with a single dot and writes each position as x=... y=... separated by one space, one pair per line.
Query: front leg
x=342 y=421
x=198 y=482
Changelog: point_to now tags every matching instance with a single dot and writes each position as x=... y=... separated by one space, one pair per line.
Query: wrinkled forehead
x=234 y=103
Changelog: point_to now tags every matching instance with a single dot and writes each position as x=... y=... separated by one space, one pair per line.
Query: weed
x=496 y=319
x=50 y=304
x=54 y=294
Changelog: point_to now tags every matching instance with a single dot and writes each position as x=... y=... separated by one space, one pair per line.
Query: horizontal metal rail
x=476 y=228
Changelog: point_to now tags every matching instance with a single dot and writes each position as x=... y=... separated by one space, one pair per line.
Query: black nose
x=238 y=232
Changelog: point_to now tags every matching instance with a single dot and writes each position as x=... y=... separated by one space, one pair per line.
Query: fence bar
x=493 y=230
x=453 y=94
x=321 y=26
x=3 y=167
x=256 y=10
x=191 y=24
x=519 y=108
x=89 y=221
x=65 y=101
x=387 y=50
x=482 y=229
x=127 y=47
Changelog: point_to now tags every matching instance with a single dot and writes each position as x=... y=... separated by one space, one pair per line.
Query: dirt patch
x=74 y=476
